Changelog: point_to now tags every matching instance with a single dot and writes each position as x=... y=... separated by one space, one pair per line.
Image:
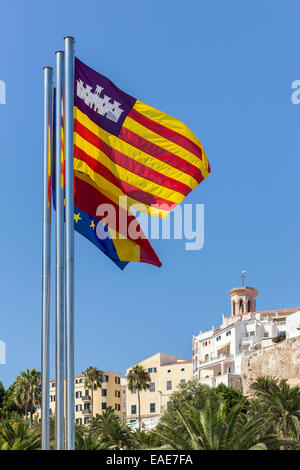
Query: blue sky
x=225 y=69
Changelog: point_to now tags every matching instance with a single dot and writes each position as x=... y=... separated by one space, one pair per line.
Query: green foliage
x=138 y=379
x=2 y=394
x=93 y=381
x=279 y=338
x=113 y=432
x=232 y=397
x=9 y=409
x=215 y=428
x=18 y=436
x=280 y=405
x=87 y=440
x=147 y=439
x=27 y=392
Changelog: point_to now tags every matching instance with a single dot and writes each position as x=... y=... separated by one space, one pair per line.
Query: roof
x=281 y=313
x=182 y=361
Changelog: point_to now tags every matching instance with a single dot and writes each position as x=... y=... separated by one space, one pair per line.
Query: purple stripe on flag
x=97 y=97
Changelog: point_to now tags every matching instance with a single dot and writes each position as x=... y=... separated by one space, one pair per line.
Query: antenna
x=243 y=276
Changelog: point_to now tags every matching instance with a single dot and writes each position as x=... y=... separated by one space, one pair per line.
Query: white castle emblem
x=102 y=106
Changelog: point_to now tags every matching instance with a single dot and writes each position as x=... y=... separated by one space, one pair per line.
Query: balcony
x=86 y=411
x=229 y=379
x=86 y=398
x=216 y=358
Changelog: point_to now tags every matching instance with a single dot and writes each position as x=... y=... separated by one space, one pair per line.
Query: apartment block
x=109 y=395
x=218 y=353
x=167 y=372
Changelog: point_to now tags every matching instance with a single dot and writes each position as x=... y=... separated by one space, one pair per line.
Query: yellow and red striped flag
x=124 y=147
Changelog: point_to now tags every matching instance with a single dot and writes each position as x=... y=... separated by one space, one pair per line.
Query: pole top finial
x=243 y=276
x=57 y=52
x=69 y=37
x=47 y=67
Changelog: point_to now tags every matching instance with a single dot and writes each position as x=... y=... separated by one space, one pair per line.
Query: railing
x=248 y=339
x=86 y=398
x=86 y=411
x=213 y=358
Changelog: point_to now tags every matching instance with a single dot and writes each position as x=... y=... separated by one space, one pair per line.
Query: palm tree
x=280 y=405
x=114 y=433
x=19 y=437
x=87 y=440
x=27 y=391
x=93 y=381
x=215 y=428
x=138 y=379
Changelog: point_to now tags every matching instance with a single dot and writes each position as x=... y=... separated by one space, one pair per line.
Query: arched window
x=241 y=307
x=233 y=308
x=249 y=306
x=206 y=357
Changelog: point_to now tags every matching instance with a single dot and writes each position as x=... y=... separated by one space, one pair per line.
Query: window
x=117 y=393
x=228 y=333
x=169 y=384
x=103 y=405
x=78 y=394
x=117 y=407
x=152 y=407
x=78 y=421
x=86 y=406
x=86 y=420
x=182 y=369
x=252 y=333
x=78 y=407
x=133 y=409
x=266 y=335
x=52 y=398
x=169 y=371
x=105 y=378
x=133 y=390
x=282 y=333
x=218 y=338
x=86 y=393
x=206 y=357
x=152 y=387
x=53 y=384
x=151 y=370
x=117 y=380
x=104 y=392
x=182 y=381
x=241 y=306
x=249 y=306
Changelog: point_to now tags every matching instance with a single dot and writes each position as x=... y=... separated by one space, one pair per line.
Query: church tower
x=243 y=300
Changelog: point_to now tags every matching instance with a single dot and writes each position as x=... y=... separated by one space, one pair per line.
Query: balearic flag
x=129 y=148
x=84 y=223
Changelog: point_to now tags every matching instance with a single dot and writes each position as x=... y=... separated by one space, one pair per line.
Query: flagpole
x=48 y=133
x=59 y=192
x=69 y=195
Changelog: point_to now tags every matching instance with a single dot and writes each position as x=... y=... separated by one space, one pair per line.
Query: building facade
x=167 y=372
x=109 y=395
x=218 y=353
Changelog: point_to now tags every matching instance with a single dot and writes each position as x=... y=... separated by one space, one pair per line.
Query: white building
x=217 y=353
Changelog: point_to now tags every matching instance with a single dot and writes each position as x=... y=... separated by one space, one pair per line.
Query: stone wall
x=281 y=361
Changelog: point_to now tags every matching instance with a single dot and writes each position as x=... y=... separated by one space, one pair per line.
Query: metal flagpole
x=48 y=133
x=69 y=193
x=59 y=191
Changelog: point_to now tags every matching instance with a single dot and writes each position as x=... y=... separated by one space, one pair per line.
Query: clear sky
x=225 y=69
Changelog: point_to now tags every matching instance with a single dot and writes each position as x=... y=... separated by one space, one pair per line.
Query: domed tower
x=243 y=300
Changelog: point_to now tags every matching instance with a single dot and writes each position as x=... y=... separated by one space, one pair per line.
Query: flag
x=84 y=223
x=128 y=148
x=120 y=230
